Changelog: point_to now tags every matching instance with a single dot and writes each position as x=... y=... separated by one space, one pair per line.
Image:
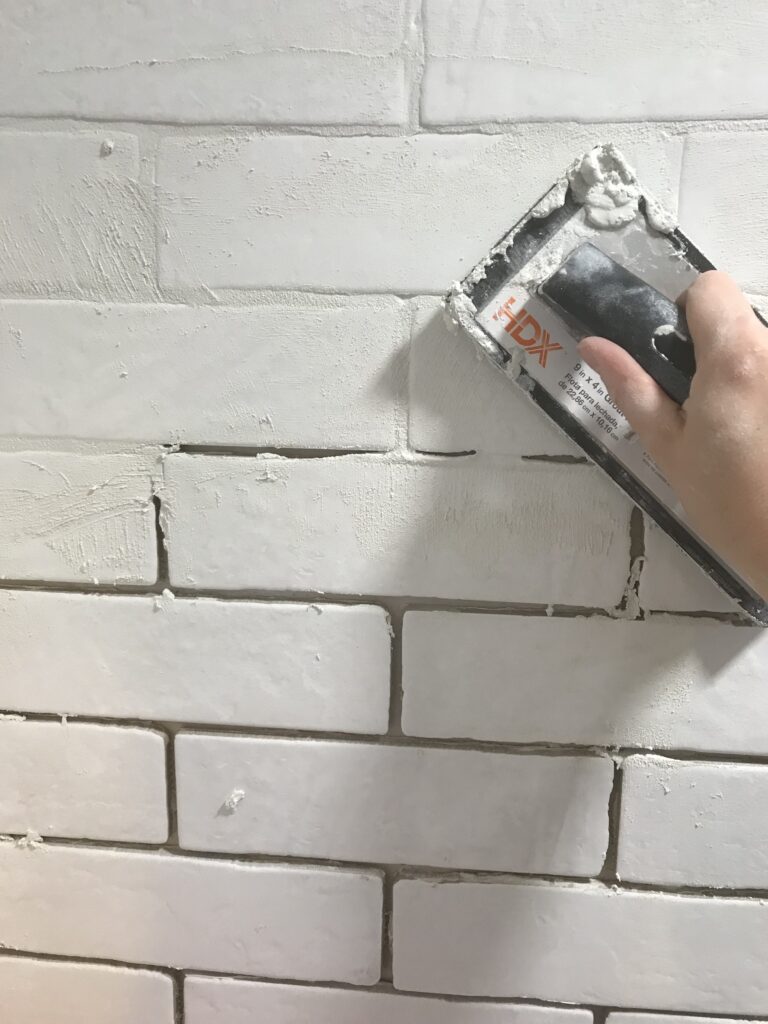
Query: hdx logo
x=526 y=330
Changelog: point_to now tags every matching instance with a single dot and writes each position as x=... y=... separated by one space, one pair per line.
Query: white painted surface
x=671 y=581
x=532 y=61
x=583 y=944
x=674 y=683
x=70 y=517
x=407 y=214
x=49 y=992
x=76 y=224
x=696 y=823
x=328 y=61
x=461 y=528
x=395 y=805
x=83 y=781
x=266 y=919
x=458 y=402
x=289 y=666
x=222 y=1001
x=196 y=375
x=723 y=183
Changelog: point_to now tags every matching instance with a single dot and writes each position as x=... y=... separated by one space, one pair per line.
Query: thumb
x=655 y=418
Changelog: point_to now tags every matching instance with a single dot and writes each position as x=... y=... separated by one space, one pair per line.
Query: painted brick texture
x=335 y=687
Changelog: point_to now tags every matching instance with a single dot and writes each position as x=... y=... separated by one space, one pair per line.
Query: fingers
x=656 y=419
x=719 y=317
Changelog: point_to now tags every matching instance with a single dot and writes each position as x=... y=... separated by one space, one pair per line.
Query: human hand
x=713 y=449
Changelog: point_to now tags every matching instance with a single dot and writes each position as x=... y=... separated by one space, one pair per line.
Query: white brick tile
x=225 y=1001
x=464 y=528
x=402 y=214
x=671 y=581
x=722 y=185
x=50 y=992
x=687 y=684
x=279 y=375
x=238 y=663
x=582 y=944
x=689 y=823
x=76 y=224
x=270 y=920
x=75 y=517
x=396 y=805
x=651 y=1018
x=502 y=62
x=458 y=402
x=82 y=781
x=321 y=61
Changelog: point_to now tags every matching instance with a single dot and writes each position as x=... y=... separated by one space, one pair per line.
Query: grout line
x=171 y=791
x=409 y=872
x=387 y=950
x=163 y=581
x=609 y=872
x=249 y=451
x=395 y=621
x=178 y=996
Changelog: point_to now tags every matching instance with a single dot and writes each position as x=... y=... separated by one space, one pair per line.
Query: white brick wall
x=374 y=803
x=82 y=781
x=50 y=992
x=205 y=376
x=359 y=524
x=221 y=1001
x=280 y=666
x=697 y=823
x=77 y=517
x=269 y=920
x=361 y=723
x=584 y=944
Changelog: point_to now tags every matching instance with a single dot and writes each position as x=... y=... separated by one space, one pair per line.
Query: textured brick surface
x=219 y=1001
x=686 y=823
x=359 y=524
x=49 y=992
x=407 y=214
x=205 y=375
x=671 y=683
x=563 y=943
x=372 y=803
x=77 y=518
x=671 y=581
x=318 y=60
x=501 y=62
x=76 y=224
x=269 y=920
x=245 y=663
x=83 y=781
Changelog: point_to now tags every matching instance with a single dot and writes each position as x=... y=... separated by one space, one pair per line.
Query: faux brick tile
x=279 y=375
x=372 y=214
x=223 y=1001
x=665 y=683
x=49 y=992
x=498 y=62
x=239 y=663
x=83 y=781
x=563 y=943
x=76 y=224
x=650 y=1018
x=269 y=920
x=464 y=528
x=73 y=517
x=723 y=184
x=689 y=823
x=458 y=402
x=396 y=805
x=673 y=582
x=324 y=61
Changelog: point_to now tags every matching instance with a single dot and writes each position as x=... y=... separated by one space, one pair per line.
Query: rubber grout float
x=597 y=254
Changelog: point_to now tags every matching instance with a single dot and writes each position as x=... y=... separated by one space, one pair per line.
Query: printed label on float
x=516 y=319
